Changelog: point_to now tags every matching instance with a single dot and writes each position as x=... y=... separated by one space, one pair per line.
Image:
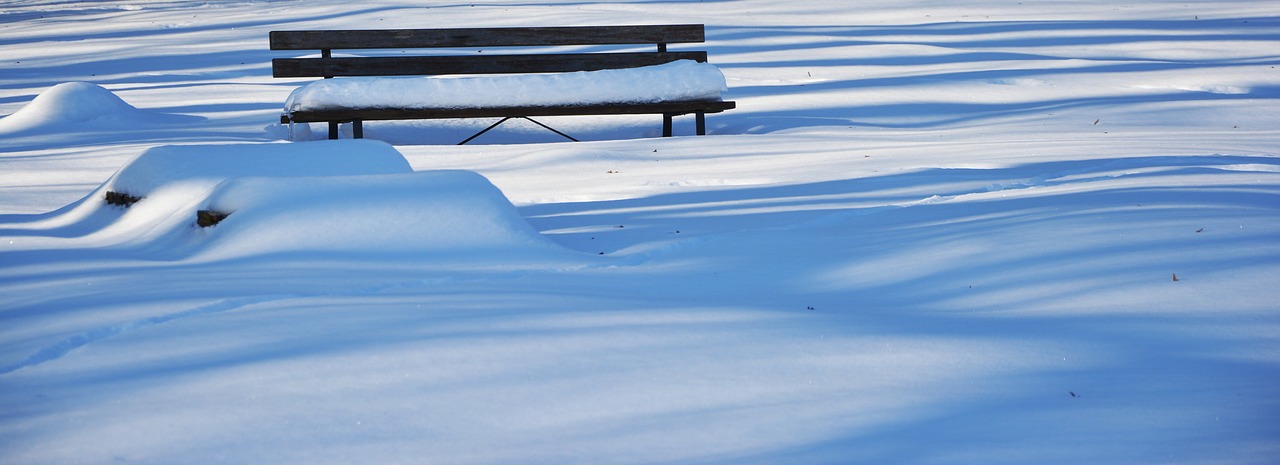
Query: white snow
x=77 y=105
x=972 y=232
x=676 y=81
x=443 y=213
x=210 y=164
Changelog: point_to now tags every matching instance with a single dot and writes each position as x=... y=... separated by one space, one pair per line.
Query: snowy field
x=962 y=232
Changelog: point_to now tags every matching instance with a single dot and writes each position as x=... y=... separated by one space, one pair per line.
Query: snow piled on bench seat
x=676 y=81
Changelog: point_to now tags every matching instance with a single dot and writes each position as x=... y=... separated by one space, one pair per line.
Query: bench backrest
x=483 y=62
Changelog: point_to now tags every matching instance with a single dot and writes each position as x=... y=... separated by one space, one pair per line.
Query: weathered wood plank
x=487 y=37
x=471 y=64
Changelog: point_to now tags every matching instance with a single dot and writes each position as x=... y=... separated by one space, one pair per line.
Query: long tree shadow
x=954 y=238
x=1079 y=256
x=729 y=210
x=1057 y=49
x=981 y=34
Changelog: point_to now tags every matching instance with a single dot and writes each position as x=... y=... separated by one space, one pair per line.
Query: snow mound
x=450 y=213
x=675 y=81
x=166 y=180
x=80 y=104
x=312 y=199
x=204 y=166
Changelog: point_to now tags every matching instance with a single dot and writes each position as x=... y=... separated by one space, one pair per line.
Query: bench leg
x=357 y=129
x=333 y=130
x=666 y=124
x=702 y=123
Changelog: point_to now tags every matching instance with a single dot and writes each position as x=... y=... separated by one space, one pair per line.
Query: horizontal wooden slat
x=471 y=64
x=382 y=114
x=486 y=37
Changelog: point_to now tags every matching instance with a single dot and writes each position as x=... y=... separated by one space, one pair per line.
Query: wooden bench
x=481 y=59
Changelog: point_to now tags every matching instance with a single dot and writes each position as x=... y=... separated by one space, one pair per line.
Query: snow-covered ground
x=976 y=231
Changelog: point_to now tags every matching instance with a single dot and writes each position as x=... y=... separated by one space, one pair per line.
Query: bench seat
x=667 y=109
x=684 y=80
x=348 y=114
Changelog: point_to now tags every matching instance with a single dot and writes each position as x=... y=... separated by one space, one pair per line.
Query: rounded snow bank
x=328 y=200
x=204 y=166
x=444 y=213
x=80 y=104
x=166 y=179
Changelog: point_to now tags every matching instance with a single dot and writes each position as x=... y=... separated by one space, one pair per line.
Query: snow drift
x=208 y=165
x=330 y=196
x=83 y=105
x=456 y=213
